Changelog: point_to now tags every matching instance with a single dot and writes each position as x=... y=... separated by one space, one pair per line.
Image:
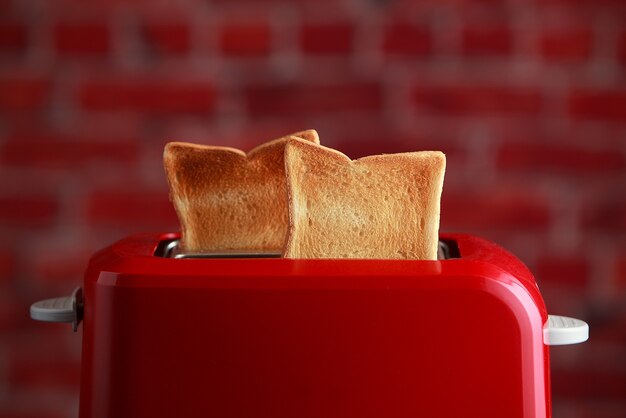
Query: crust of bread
x=379 y=207
x=227 y=200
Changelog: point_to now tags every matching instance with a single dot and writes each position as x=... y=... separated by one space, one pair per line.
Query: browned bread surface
x=381 y=206
x=227 y=200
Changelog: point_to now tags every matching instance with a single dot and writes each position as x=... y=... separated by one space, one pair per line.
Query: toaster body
x=272 y=337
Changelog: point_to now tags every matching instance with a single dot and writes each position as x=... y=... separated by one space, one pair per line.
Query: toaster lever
x=562 y=330
x=62 y=309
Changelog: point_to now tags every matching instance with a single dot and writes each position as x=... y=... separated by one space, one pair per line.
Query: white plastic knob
x=63 y=309
x=562 y=330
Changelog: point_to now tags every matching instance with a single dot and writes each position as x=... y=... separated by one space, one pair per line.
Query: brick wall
x=527 y=99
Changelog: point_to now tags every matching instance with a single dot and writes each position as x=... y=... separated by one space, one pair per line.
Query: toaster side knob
x=61 y=309
x=562 y=330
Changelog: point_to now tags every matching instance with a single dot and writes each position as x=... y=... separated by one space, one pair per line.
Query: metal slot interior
x=170 y=249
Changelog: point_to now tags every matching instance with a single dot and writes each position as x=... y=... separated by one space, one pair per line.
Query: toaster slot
x=448 y=249
x=171 y=249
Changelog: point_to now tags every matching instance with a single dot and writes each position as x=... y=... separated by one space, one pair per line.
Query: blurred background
x=526 y=98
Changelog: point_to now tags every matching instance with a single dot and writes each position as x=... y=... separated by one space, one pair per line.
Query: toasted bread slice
x=227 y=200
x=381 y=206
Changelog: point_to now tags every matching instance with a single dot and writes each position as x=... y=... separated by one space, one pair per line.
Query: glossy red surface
x=312 y=338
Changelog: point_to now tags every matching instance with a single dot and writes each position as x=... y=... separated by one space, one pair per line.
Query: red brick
x=608 y=329
x=13 y=314
x=493 y=210
x=357 y=142
x=13 y=411
x=620 y=269
x=65 y=152
x=477 y=100
x=401 y=38
x=330 y=38
x=26 y=211
x=364 y=146
x=607 y=105
x=23 y=93
x=251 y=135
x=62 y=267
x=585 y=6
x=7 y=264
x=241 y=38
x=621 y=48
x=46 y=371
x=486 y=40
x=607 y=213
x=6 y=7
x=300 y=99
x=561 y=158
x=82 y=38
x=590 y=384
x=167 y=38
x=587 y=408
x=13 y=37
x=151 y=95
x=566 y=44
x=570 y=271
x=137 y=208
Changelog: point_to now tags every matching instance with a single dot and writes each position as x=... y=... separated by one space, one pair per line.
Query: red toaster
x=255 y=335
